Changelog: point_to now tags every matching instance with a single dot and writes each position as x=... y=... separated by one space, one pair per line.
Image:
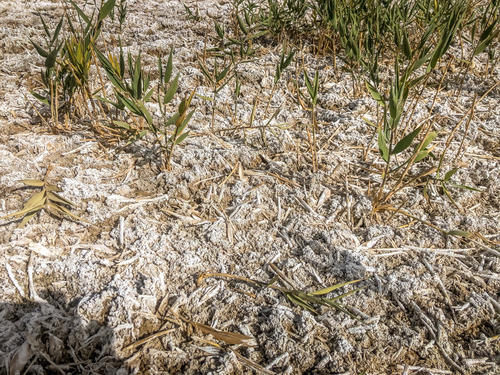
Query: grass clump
x=68 y=59
x=309 y=301
x=66 y=80
x=132 y=90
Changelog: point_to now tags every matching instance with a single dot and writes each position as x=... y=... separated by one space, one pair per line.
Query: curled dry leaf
x=47 y=199
x=230 y=338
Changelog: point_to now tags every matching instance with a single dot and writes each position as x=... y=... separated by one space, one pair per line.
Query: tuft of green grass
x=69 y=58
x=132 y=90
x=309 y=301
x=69 y=55
x=313 y=91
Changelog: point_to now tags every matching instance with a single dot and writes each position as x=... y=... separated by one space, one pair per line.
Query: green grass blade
x=80 y=12
x=145 y=113
x=382 y=145
x=40 y=50
x=185 y=121
x=106 y=9
x=181 y=138
x=241 y=24
x=450 y=174
x=459 y=233
x=406 y=142
x=41 y=98
x=374 y=93
x=169 y=67
x=486 y=38
x=332 y=288
x=297 y=301
x=308 y=85
x=172 y=120
x=56 y=32
x=169 y=94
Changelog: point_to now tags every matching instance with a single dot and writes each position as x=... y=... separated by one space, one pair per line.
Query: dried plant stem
x=313 y=145
x=467 y=126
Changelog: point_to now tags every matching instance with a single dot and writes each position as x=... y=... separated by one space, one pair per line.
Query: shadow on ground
x=49 y=338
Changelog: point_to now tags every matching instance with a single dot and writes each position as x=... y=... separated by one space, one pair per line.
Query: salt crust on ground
x=428 y=302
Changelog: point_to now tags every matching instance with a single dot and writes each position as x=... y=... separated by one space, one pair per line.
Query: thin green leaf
x=374 y=93
x=172 y=120
x=421 y=155
x=122 y=61
x=406 y=46
x=309 y=85
x=145 y=113
x=242 y=25
x=406 y=142
x=333 y=287
x=137 y=78
x=206 y=73
x=382 y=145
x=80 y=12
x=148 y=95
x=169 y=67
x=258 y=34
x=300 y=303
x=464 y=187
x=288 y=60
x=427 y=141
x=50 y=61
x=450 y=174
x=169 y=94
x=41 y=98
x=109 y=70
x=393 y=103
x=131 y=105
x=185 y=121
x=219 y=30
x=181 y=138
x=57 y=30
x=121 y=124
x=44 y=24
x=486 y=38
x=117 y=105
x=413 y=82
x=219 y=77
x=106 y=9
x=459 y=233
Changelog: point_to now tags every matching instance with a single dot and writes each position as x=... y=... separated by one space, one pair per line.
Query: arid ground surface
x=77 y=297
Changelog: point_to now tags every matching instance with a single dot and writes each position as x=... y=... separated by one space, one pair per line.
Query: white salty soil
x=75 y=296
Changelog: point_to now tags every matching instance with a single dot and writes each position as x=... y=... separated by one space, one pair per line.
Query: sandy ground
x=77 y=298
